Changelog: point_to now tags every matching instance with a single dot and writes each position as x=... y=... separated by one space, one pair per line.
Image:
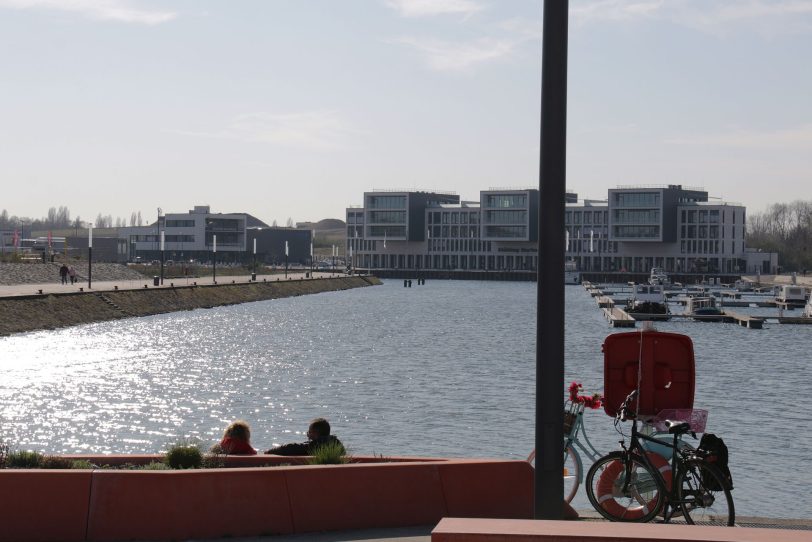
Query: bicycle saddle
x=678 y=428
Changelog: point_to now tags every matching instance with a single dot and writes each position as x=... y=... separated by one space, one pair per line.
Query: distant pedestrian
x=63 y=273
x=72 y=274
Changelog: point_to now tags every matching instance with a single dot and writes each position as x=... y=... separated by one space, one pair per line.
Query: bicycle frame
x=678 y=456
x=578 y=428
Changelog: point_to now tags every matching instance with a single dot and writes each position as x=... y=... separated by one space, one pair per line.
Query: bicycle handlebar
x=623 y=413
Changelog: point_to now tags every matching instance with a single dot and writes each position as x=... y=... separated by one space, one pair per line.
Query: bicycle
x=573 y=427
x=635 y=484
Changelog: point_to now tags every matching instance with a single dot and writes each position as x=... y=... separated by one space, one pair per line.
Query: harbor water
x=442 y=369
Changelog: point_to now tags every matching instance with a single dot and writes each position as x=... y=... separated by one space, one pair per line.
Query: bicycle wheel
x=573 y=472
x=619 y=497
x=703 y=495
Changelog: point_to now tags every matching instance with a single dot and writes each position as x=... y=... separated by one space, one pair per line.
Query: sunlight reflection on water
x=442 y=369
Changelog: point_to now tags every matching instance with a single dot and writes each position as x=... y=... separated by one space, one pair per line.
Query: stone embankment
x=36 y=273
x=35 y=312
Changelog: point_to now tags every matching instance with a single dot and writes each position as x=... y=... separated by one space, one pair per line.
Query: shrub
x=155 y=465
x=24 y=459
x=184 y=455
x=55 y=462
x=82 y=464
x=331 y=453
x=3 y=454
x=214 y=460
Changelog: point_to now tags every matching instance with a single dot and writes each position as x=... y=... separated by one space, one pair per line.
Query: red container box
x=668 y=375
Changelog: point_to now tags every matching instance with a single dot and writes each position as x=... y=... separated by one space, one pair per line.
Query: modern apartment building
x=196 y=235
x=633 y=230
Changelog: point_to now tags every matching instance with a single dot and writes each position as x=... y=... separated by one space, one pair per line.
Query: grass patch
x=24 y=459
x=331 y=453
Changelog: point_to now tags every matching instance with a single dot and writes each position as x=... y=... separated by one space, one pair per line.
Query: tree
x=140 y=220
x=289 y=223
x=274 y=223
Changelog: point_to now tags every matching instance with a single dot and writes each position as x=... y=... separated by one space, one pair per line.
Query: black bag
x=714 y=451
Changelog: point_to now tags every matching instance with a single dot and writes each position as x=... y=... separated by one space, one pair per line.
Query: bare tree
x=140 y=220
x=289 y=223
x=274 y=224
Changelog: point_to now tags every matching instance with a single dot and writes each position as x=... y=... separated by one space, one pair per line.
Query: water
x=445 y=369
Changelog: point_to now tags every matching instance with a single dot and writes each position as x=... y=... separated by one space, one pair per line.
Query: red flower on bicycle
x=591 y=401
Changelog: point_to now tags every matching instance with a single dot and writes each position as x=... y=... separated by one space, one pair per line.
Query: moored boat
x=648 y=302
x=659 y=276
x=704 y=308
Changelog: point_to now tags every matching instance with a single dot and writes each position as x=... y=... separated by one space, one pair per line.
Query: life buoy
x=605 y=488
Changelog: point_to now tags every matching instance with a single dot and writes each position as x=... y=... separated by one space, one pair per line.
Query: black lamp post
x=254 y=273
x=89 y=254
x=214 y=257
x=286 y=259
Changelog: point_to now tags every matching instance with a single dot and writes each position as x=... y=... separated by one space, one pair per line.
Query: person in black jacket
x=318 y=434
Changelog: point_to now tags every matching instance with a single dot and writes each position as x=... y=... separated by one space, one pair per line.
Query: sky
x=294 y=108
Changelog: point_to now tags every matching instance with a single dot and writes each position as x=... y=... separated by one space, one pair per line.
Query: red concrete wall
x=107 y=505
x=43 y=505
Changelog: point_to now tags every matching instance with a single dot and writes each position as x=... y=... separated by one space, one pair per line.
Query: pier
x=618 y=317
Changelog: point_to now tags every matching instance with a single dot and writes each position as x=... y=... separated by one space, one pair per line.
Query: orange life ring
x=605 y=488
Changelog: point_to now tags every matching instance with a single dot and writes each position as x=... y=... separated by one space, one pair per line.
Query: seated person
x=236 y=440
x=318 y=434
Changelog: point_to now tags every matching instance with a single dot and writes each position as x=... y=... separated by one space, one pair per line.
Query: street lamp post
x=162 y=256
x=286 y=259
x=214 y=259
x=254 y=274
x=89 y=255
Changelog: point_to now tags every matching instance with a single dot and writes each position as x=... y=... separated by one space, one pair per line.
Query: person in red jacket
x=236 y=440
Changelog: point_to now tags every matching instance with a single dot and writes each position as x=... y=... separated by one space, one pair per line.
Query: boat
x=571 y=274
x=648 y=302
x=791 y=295
x=704 y=308
x=659 y=276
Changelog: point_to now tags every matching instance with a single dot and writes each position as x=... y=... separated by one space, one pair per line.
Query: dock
x=618 y=317
x=744 y=320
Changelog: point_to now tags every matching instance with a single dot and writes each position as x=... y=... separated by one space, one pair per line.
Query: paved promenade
x=55 y=287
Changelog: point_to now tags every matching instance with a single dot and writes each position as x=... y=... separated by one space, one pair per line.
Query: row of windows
x=506 y=201
x=505 y=217
x=387 y=217
x=167 y=238
x=589 y=217
x=637 y=199
x=624 y=216
x=587 y=232
x=637 y=232
x=387 y=231
x=458 y=245
x=705 y=247
x=693 y=216
x=224 y=224
x=437 y=217
x=506 y=232
x=454 y=231
x=386 y=202
x=355 y=218
x=597 y=245
x=180 y=223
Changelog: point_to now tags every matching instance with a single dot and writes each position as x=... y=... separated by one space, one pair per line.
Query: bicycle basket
x=696 y=417
x=569 y=421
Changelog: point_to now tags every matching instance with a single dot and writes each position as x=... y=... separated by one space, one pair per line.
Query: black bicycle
x=636 y=484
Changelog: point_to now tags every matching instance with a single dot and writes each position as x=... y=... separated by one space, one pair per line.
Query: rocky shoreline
x=37 y=312
x=37 y=273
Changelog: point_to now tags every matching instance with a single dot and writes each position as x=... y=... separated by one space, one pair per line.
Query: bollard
x=404 y=284
x=194 y=284
x=232 y=282
x=40 y=291
x=115 y=287
x=171 y=285
x=410 y=283
x=145 y=286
